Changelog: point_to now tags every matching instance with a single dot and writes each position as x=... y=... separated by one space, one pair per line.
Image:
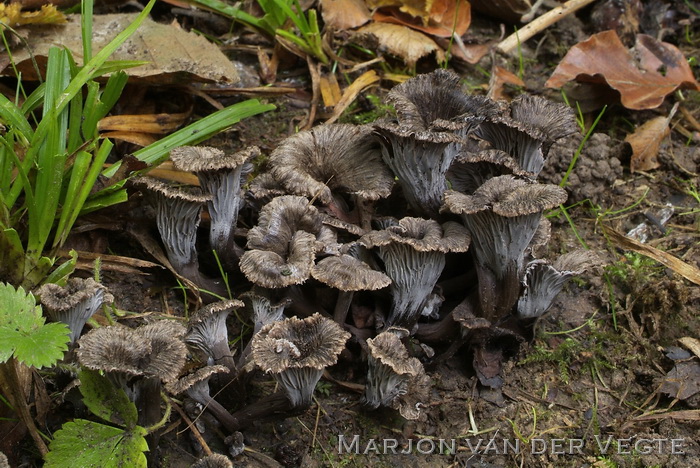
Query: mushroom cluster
x=336 y=252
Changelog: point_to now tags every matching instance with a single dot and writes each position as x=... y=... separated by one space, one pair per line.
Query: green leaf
x=105 y=400
x=23 y=332
x=87 y=444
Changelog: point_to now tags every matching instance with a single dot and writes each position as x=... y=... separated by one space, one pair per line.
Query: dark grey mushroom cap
x=75 y=303
x=314 y=342
x=113 y=349
x=198 y=377
x=544 y=280
x=506 y=196
x=270 y=269
x=215 y=460
x=423 y=235
x=388 y=349
x=158 y=187
x=206 y=158
x=327 y=158
x=347 y=273
x=168 y=351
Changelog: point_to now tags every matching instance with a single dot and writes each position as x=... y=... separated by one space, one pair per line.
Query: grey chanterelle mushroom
x=177 y=217
x=392 y=374
x=219 y=174
x=330 y=160
x=75 y=303
x=502 y=216
x=413 y=251
x=296 y=351
x=207 y=331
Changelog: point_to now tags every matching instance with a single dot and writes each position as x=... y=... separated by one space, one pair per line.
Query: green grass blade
x=13 y=116
x=233 y=12
x=97 y=203
x=86 y=28
x=197 y=131
x=80 y=167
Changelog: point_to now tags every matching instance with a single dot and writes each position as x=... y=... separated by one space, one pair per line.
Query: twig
x=540 y=24
x=193 y=428
x=315 y=72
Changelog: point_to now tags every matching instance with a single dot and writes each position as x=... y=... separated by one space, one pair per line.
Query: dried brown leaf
x=447 y=17
x=643 y=77
x=344 y=14
x=416 y=8
x=402 y=42
x=174 y=55
x=11 y=14
x=645 y=142
x=499 y=78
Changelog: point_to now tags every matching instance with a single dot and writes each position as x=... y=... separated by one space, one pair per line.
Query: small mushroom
x=333 y=160
x=137 y=360
x=207 y=331
x=502 y=216
x=177 y=217
x=284 y=243
x=434 y=117
x=75 y=303
x=296 y=351
x=413 y=251
x=544 y=280
x=348 y=274
x=392 y=374
x=219 y=175
x=215 y=460
x=528 y=130
x=470 y=170
x=196 y=386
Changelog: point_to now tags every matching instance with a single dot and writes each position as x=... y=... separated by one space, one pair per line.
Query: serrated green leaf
x=87 y=444
x=106 y=401
x=23 y=332
x=44 y=346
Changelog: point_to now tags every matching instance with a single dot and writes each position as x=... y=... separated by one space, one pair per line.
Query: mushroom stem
x=271 y=406
x=342 y=305
x=438 y=332
x=222 y=355
x=230 y=422
x=148 y=401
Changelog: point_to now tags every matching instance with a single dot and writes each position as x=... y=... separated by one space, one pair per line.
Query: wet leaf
x=683 y=381
x=446 y=17
x=499 y=78
x=416 y=8
x=344 y=14
x=645 y=142
x=643 y=76
x=11 y=14
x=400 y=41
x=174 y=55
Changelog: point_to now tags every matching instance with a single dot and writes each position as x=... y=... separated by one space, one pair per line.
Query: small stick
x=540 y=24
x=193 y=428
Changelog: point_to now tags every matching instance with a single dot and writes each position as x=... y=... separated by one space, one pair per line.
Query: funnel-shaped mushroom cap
x=469 y=171
x=155 y=350
x=332 y=158
x=413 y=251
x=168 y=351
x=113 y=349
x=437 y=100
x=196 y=384
x=215 y=460
x=265 y=310
x=527 y=134
x=543 y=280
x=296 y=351
x=502 y=217
x=284 y=243
x=75 y=303
x=219 y=174
x=207 y=330
x=391 y=371
x=347 y=273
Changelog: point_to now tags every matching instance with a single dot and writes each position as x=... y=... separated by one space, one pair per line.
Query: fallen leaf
x=683 y=381
x=447 y=17
x=330 y=91
x=363 y=81
x=13 y=16
x=499 y=78
x=643 y=76
x=175 y=56
x=342 y=15
x=691 y=343
x=645 y=142
x=416 y=8
x=470 y=53
x=400 y=41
